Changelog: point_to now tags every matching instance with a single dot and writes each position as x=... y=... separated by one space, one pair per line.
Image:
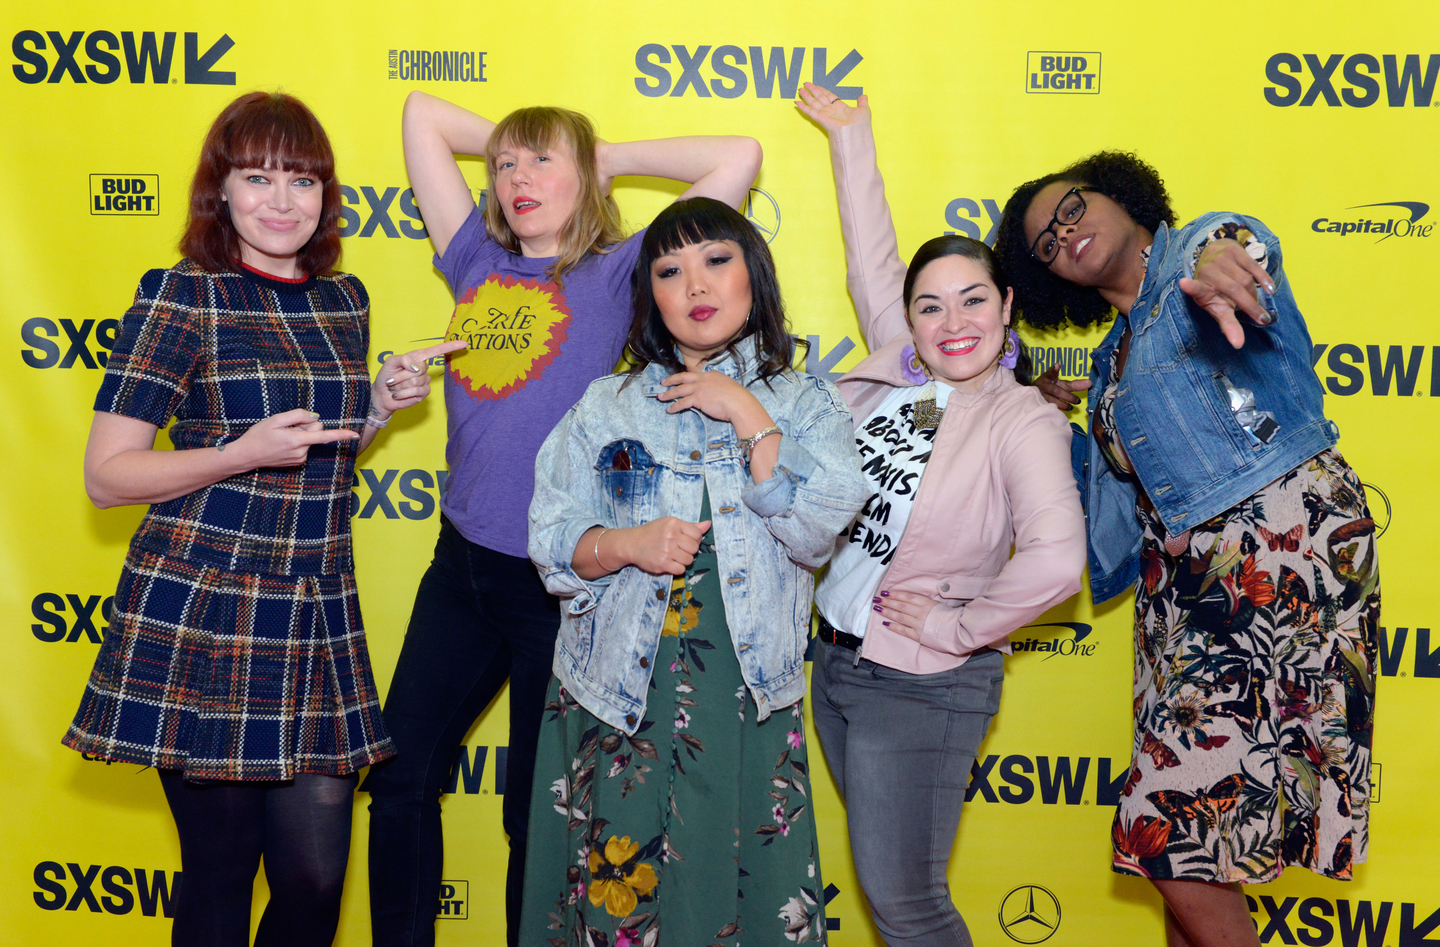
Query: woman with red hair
x=235 y=663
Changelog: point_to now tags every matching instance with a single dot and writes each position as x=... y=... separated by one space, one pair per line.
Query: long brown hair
x=594 y=225
x=261 y=130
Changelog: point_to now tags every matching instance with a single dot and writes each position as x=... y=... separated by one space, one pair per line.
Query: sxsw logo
x=731 y=81
x=54 y=623
x=151 y=889
x=379 y=218
x=440 y=65
x=468 y=770
x=37 y=334
x=1317 y=922
x=1394 y=368
x=1425 y=663
x=128 y=195
x=967 y=225
x=1382 y=225
x=147 y=54
x=1065 y=73
x=1405 y=82
x=414 y=485
x=1061 y=777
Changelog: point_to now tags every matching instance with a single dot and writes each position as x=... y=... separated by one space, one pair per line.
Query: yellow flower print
x=617 y=880
x=684 y=610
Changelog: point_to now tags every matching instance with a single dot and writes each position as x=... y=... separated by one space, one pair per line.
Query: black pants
x=301 y=829
x=480 y=617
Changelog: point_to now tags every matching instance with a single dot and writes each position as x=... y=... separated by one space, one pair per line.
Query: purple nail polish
x=877 y=608
x=876 y=600
x=885 y=623
x=886 y=594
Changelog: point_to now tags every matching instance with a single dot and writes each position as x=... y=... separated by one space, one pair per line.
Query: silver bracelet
x=747 y=444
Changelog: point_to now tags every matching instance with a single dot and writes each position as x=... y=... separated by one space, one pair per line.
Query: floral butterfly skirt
x=1255 y=687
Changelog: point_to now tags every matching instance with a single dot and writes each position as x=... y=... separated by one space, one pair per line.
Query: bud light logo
x=125 y=195
x=1065 y=73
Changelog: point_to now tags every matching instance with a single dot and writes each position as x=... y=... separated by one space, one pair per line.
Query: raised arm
x=874 y=272
x=718 y=166
x=434 y=131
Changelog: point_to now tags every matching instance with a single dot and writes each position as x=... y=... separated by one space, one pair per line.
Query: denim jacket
x=1175 y=408
x=769 y=537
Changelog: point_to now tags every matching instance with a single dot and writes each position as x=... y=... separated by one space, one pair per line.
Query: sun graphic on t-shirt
x=515 y=328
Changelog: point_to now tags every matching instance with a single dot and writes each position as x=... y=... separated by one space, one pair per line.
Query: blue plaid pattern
x=232 y=676
x=219 y=352
x=236 y=649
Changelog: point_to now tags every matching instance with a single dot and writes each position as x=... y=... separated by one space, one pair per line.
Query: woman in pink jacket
x=966 y=461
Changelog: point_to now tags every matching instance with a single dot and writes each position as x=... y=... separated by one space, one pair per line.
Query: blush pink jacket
x=998 y=476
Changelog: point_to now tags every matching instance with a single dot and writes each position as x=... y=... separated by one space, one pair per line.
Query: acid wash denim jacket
x=769 y=537
x=1181 y=411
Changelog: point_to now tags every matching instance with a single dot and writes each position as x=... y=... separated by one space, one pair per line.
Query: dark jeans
x=900 y=747
x=480 y=617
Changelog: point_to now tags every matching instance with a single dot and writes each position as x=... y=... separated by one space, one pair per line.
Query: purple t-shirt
x=534 y=349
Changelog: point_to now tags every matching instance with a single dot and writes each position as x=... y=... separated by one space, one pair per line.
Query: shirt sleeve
x=466 y=249
x=619 y=263
x=157 y=349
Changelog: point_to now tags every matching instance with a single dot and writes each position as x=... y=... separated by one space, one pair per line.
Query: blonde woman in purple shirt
x=541 y=280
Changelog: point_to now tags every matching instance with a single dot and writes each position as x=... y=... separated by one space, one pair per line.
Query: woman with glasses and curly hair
x=1213 y=486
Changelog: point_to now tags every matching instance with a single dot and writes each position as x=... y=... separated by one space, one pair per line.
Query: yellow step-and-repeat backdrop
x=1321 y=119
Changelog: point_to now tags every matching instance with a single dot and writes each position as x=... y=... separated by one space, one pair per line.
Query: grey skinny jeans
x=900 y=747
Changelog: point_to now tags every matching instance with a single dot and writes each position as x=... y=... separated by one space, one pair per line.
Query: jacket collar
x=743 y=369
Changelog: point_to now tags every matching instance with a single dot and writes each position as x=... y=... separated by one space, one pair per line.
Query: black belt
x=829 y=634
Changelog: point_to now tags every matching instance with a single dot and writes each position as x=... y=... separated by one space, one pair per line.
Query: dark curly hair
x=1044 y=300
x=696 y=220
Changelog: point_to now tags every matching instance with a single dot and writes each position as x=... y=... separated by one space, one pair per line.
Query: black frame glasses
x=1056 y=221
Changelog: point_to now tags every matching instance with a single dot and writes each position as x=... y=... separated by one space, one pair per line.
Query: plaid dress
x=237 y=650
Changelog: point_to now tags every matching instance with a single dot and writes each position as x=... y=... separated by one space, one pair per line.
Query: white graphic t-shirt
x=893 y=455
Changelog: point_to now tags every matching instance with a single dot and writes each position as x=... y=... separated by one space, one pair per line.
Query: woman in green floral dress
x=681 y=509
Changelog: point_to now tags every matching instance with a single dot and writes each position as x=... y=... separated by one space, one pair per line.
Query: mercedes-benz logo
x=1030 y=914
x=1380 y=512
x=762 y=211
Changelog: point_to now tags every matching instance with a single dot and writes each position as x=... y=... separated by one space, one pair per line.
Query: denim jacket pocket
x=629 y=479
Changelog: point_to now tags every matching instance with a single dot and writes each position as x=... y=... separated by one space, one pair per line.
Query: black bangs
x=701 y=220
x=693 y=221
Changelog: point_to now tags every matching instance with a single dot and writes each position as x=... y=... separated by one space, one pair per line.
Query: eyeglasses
x=1068 y=212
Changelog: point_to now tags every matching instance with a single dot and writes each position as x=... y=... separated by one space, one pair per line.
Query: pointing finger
x=328 y=437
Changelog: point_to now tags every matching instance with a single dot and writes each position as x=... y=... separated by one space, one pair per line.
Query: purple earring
x=1010 y=353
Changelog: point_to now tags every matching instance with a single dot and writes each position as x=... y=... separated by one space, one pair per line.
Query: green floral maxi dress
x=695 y=831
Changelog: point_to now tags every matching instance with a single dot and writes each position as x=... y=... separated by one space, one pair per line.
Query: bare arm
x=434 y=131
x=718 y=166
x=122 y=466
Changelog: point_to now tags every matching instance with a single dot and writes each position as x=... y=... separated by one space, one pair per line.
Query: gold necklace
x=926 y=415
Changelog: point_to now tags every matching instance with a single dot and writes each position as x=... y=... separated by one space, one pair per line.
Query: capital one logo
x=1383 y=225
x=736 y=71
x=1030 y=914
x=53 y=57
x=1339 y=80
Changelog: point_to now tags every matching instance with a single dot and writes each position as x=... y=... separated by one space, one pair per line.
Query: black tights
x=302 y=829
